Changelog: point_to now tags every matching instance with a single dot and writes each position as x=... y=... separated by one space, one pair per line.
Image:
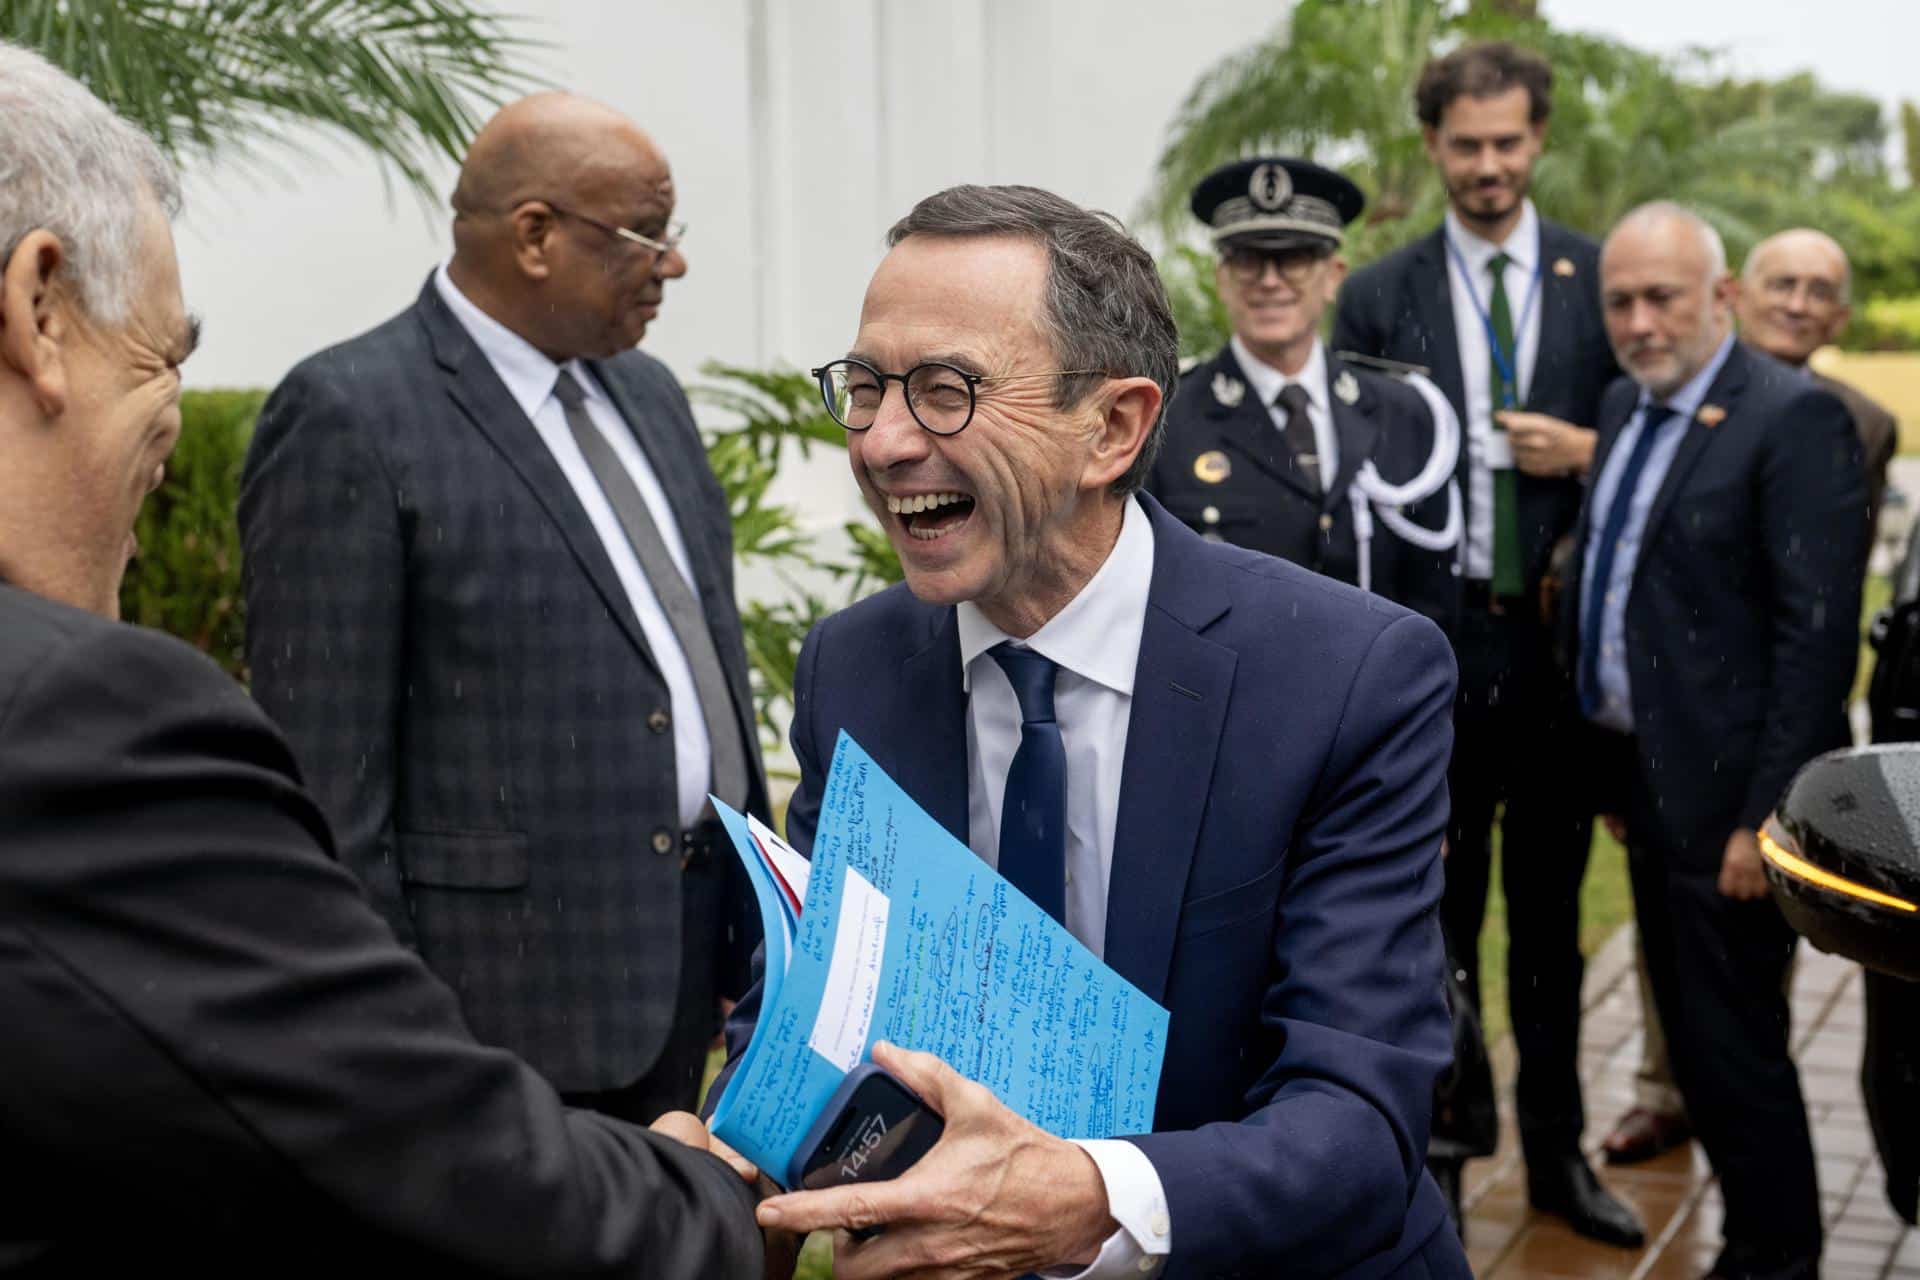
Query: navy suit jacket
x=1275 y=880
x=1742 y=623
x=1401 y=308
x=436 y=626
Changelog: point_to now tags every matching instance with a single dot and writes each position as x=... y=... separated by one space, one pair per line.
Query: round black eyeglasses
x=940 y=396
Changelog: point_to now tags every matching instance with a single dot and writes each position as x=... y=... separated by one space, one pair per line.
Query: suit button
x=663 y=841
x=1211 y=515
x=1326 y=522
x=659 y=720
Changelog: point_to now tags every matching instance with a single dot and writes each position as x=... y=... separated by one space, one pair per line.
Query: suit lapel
x=1725 y=393
x=678 y=469
x=1248 y=428
x=1354 y=425
x=478 y=392
x=1559 y=302
x=1180 y=692
x=1433 y=306
x=934 y=771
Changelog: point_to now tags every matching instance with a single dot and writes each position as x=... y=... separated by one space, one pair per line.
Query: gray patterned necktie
x=670 y=588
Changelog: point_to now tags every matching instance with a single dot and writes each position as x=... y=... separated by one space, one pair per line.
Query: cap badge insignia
x=1270 y=187
x=1710 y=416
x=1229 y=390
x=1212 y=467
x=1563 y=267
x=1347 y=387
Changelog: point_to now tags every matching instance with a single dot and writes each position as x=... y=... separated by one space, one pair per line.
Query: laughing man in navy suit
x=1224 y=773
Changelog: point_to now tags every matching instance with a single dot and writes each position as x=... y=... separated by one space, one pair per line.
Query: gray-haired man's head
x=1665 y=295
x=92 y=333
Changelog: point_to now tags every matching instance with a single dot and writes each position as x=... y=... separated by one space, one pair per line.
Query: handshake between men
x=227 y=1044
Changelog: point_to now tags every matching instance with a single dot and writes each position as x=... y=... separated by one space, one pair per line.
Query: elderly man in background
x=217 y=1057
x=490 y=601
x=1793 y=299
x=1714 y=633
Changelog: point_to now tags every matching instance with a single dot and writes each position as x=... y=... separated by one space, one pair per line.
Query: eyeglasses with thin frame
x=940 y=396
x=1248 y=265
x=676 y=231
x=1781 y=288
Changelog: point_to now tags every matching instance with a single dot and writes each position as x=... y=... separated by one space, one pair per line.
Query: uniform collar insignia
x=1347 y=387
x=1229 y=390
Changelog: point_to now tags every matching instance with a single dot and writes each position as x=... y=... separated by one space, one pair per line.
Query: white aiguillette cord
x=1369 y=492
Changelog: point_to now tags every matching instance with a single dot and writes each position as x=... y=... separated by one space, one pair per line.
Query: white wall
x=798 y=131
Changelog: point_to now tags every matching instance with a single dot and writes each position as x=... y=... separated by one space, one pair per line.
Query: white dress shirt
x=1268 y=382
x=530 y=377
x=1488 y=449
x=1095 y=642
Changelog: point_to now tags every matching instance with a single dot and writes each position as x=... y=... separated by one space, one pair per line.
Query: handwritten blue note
x=906 y=936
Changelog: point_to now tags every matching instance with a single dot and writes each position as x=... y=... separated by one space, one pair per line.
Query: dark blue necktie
x=1656 y=417
x=1033 y=813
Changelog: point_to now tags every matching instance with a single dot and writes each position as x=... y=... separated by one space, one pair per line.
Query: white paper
x=853 y=977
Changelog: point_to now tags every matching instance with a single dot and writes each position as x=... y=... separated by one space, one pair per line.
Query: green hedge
x=186 y=578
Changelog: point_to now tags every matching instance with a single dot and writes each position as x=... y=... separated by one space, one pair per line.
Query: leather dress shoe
x=1566 y=1185
x=1643 y=1134
x=1446 y=1176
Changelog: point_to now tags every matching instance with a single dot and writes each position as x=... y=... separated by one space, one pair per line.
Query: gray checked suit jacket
x=436 y=626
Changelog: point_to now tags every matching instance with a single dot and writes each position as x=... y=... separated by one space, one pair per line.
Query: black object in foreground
x=873 y=1128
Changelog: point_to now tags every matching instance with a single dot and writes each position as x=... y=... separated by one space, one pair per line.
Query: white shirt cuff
x=1138 y=1203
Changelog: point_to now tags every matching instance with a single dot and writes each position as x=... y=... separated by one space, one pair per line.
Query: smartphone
x=872 y=1128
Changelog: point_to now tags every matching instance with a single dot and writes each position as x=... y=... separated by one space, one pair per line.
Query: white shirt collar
x=1687 y=400
x=1522 y=244
x=1268 y=381
x=1097 y=636
x=528 y=374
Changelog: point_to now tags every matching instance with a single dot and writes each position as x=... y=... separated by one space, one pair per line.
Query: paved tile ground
x=1675 y=1194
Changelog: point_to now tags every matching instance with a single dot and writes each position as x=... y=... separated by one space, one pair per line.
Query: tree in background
x=1335 y=81
x=400 y=78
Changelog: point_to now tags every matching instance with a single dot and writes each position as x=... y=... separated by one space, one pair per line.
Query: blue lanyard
x=1508 y=362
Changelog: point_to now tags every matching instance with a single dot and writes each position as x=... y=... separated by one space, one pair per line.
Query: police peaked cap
x=1276 y=202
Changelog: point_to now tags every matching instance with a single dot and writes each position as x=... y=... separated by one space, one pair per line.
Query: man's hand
x=1547 y=446
x=1743 y=876
x=995 y=1197
x=689 y=1130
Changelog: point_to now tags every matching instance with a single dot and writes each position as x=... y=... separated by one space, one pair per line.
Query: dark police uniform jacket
x=1226 y=471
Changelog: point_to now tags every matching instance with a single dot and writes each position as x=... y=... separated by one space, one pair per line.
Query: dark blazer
x=1275 y=881
x=1259 y=500
x=1743 y=621
x=1400 y=308
x=1879 y=437
x=434 y=622
x=218 y=1058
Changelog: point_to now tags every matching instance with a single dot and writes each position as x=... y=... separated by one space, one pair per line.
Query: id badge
x=1496 y=450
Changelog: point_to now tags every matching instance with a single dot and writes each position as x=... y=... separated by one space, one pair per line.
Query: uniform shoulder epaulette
x=1393 y=368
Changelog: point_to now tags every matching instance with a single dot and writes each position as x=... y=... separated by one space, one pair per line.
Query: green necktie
x=1507 y=579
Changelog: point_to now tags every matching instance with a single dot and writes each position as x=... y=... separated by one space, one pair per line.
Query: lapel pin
x=1710 y=415
x=1212 y=467
x=1347 y=387
x=1228 y=390
x=1563 y=267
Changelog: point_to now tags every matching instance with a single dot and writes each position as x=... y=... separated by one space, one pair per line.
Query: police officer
x=1278 y=445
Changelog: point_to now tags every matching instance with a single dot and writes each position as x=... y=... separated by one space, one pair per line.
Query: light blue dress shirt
x=1615 y=704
